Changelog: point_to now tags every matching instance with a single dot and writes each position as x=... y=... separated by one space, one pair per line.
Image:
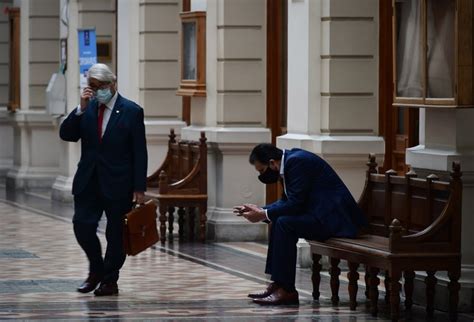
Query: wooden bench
x=181 y=181
x=414 y=225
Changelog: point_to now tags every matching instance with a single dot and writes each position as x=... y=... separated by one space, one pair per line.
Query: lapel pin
x=117 y=111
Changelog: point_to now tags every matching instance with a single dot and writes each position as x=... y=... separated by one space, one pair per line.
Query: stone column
x=35 y=158
x=447 y=138
x=158 y=72
x=69 y=152
x=333 y=87
x=332 y=47
x=233 y=113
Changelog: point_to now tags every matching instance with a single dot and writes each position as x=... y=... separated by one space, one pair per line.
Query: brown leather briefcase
x=140 y=231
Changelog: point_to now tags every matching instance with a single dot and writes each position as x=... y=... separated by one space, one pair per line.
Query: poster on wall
x=87 y=53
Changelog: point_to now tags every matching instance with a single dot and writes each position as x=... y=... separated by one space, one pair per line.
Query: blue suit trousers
x=89 y=205
x=282 y=252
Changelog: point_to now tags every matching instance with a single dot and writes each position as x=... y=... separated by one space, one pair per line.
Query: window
x=104 y=51
x=433 y=53
x=193 y=54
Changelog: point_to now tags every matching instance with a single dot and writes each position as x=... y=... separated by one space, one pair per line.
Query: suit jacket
x=120 y=160
x=314 y=188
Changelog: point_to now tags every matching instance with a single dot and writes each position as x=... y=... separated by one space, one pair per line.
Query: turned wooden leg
x=409 y=276
x=374 y=282
x=192 y=220
x=353 y=276
x=334 y=271
x=453 y=287
x=163 y=224
x=170 y=223
x=181 y=213
x=430 y=282
x=367 y=282
x=387 y=287
x=316 y=276
x=395 y=294
x=202 y=223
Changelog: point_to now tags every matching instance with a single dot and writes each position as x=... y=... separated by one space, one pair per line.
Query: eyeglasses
x=101 y=86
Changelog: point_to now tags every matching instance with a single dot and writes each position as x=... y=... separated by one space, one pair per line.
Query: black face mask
x=269 y=176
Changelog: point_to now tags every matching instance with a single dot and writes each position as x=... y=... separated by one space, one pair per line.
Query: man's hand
x=253 y=213
x=86 y=96
x=139 y=197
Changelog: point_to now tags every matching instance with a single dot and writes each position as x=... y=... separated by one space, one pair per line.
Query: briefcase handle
x=136 y=205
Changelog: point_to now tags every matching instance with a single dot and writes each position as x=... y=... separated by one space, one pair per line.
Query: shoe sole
x=85 y=292
x=113 y=294
x=257 y=296
x=278 y=303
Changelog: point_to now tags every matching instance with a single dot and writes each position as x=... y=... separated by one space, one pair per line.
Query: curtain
x=440 y=50
x=409 y=50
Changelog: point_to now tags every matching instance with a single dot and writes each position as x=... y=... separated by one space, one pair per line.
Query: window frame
x=194 y=87
x=461 y=27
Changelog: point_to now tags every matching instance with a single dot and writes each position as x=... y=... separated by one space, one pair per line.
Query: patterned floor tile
x=41 y=265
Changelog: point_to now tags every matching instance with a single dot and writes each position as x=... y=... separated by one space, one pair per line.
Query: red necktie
x=102 y=108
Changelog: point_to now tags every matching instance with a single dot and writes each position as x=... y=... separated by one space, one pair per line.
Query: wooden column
x=14 y=88
x=186 y=100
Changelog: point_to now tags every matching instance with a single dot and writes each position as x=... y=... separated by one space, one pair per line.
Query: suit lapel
x=114 y=116
x=94 y=110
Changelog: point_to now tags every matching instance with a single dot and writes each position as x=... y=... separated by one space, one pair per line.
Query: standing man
x=315 y=205
x=110 y=175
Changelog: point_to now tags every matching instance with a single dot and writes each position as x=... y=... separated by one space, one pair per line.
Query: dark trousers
x=89 y=205
x=281 y=256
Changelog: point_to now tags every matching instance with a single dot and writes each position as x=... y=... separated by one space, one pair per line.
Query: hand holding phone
x=86 y=95
x=239 y=210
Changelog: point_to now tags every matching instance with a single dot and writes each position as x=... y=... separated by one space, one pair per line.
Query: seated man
x=315 y=205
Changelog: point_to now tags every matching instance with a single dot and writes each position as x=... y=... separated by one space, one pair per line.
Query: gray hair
x=102 y=73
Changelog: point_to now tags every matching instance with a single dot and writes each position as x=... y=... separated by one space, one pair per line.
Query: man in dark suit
x=110 y=175
x=315 y=205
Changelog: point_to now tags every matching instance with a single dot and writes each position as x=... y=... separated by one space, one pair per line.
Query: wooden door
x=277 y=13
x=398 y=126
x=14 y=58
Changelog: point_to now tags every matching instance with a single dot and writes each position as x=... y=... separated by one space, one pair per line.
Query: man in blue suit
x=315 y=205
x=110 y=175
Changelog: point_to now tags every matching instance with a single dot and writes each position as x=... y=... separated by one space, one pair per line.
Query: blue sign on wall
x=87 y=53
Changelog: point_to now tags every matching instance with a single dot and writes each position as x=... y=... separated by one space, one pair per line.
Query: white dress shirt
x=107 y=112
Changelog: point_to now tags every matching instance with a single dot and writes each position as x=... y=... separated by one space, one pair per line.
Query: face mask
x=269 y=176
x=103 y=95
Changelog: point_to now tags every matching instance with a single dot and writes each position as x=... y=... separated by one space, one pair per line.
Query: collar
x=110 y=104
x=282 y=164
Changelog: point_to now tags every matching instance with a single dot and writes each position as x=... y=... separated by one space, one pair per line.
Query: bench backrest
x=417 y=203
x=182 y=157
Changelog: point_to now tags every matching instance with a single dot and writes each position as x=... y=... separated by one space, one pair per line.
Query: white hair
x=102 y=73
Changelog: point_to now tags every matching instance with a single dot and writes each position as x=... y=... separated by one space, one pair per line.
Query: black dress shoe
x=272 y=287
x=90 y=283
x=106 y=289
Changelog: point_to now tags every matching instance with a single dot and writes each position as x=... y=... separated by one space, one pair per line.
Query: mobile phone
x=238 y=211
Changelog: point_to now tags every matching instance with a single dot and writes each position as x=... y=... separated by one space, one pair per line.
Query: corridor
x=41 y=265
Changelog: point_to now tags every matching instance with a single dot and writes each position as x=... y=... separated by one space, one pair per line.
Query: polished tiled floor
x=41 y=264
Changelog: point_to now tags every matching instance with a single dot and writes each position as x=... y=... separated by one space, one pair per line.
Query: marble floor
x=41 y=265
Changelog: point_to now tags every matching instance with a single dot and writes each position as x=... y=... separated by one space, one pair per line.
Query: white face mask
x=104 y=95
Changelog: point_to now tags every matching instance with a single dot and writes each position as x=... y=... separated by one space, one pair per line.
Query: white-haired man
x=110 y=175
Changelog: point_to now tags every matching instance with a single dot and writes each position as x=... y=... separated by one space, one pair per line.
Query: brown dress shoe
x=106 y=289
x=279 y=297
x=90 y=283
x=272 y=287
